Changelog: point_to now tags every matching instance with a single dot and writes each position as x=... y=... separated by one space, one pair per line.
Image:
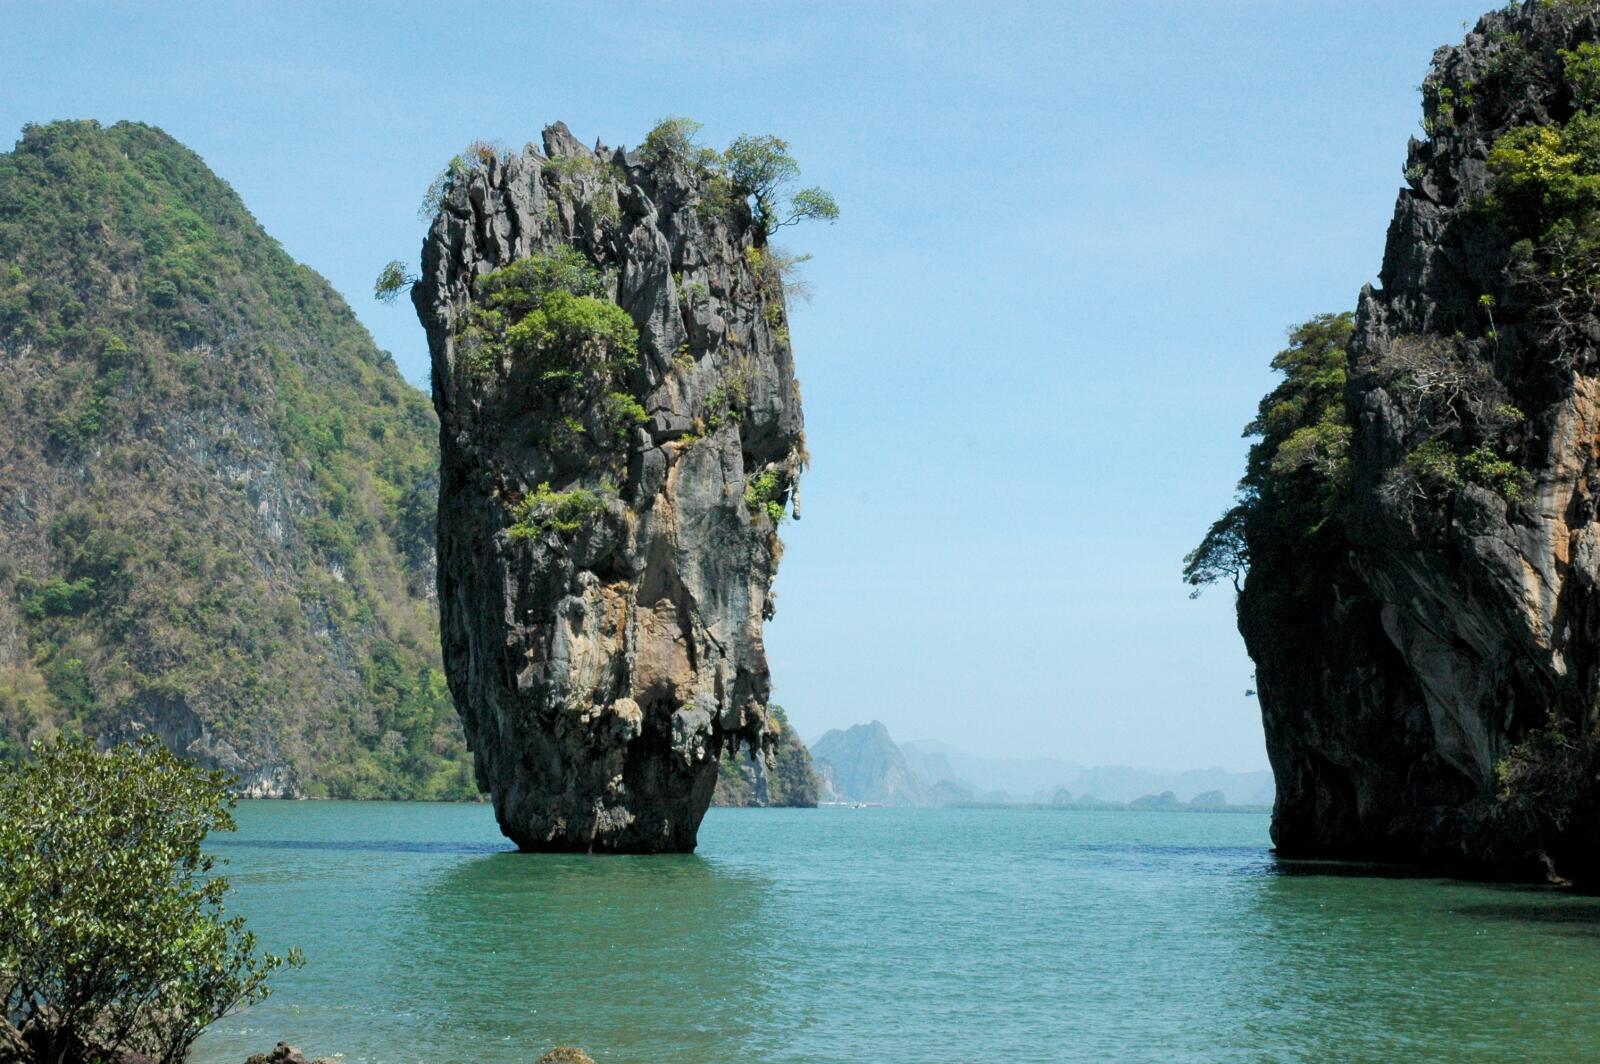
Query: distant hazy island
x=864 y=765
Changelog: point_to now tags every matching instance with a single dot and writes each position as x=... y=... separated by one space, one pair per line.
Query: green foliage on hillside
x=217 y=493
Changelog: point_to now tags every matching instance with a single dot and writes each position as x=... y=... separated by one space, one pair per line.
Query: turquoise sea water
x=889 y=935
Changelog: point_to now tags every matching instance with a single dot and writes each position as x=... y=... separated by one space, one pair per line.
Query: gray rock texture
x=600 y=673
x=783 y=776
x=1452 y=624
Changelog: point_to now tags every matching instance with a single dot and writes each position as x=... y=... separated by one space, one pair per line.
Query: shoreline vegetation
x=115 y=940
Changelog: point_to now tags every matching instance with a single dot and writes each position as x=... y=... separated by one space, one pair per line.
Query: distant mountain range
x=865 y=764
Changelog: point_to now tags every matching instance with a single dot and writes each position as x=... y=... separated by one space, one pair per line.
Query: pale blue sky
x=1073 y=236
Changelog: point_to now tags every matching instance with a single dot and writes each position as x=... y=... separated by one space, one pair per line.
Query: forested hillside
x=217 y=494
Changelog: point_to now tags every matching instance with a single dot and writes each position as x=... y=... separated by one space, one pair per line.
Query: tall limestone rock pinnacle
x=621 y=434
x=1429 y=675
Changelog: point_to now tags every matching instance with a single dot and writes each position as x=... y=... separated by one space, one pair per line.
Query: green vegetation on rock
x=1544 y=191
x=113 y=939
x=543 y=510
x=550 y=312
x=755 y=169
x=764 y=494
x=1296 y=474
x=217 y=495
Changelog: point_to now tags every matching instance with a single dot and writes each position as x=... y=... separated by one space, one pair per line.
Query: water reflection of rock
x=657 y=959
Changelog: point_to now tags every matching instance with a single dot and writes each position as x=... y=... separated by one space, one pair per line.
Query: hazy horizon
x=812 y=736
x=1037 y=329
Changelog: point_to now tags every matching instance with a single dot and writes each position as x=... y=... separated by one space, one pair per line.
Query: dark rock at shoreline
x=1452 y=622
x=783 y=777
x=566 y=1055
x=284 y=1053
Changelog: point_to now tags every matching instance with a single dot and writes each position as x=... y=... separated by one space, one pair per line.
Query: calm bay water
x=888 y=935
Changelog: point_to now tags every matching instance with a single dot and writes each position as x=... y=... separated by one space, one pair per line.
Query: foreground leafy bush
x=112 y=934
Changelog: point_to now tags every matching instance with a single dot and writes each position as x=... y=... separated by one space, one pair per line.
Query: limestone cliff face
x=608 y=533
x=785 y=777
x=1462 y=615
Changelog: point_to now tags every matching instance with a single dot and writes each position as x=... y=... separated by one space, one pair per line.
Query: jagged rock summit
x=621 y=434
x=1427 y=634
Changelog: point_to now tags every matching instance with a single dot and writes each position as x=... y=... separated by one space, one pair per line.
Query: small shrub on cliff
x=1223 y=552
x=764 y=494
x=478 y=154
x=440 y=186
x=760 y=167
x=622 y=413
x=112 y=935
x=543 y=510
x=520 y=288
x=755 y=168
x=673 y=140
x=1545 y=192
x=548 y=308
x=1486 y=466
x=1551 y=774
x=1582 y=68
x=1435 y=466
x=392 y=280
x=1435 y=470
x=573 y=167
x=571 y=334
x=1439 y=385
x=726 y=402
x=1542 y=173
